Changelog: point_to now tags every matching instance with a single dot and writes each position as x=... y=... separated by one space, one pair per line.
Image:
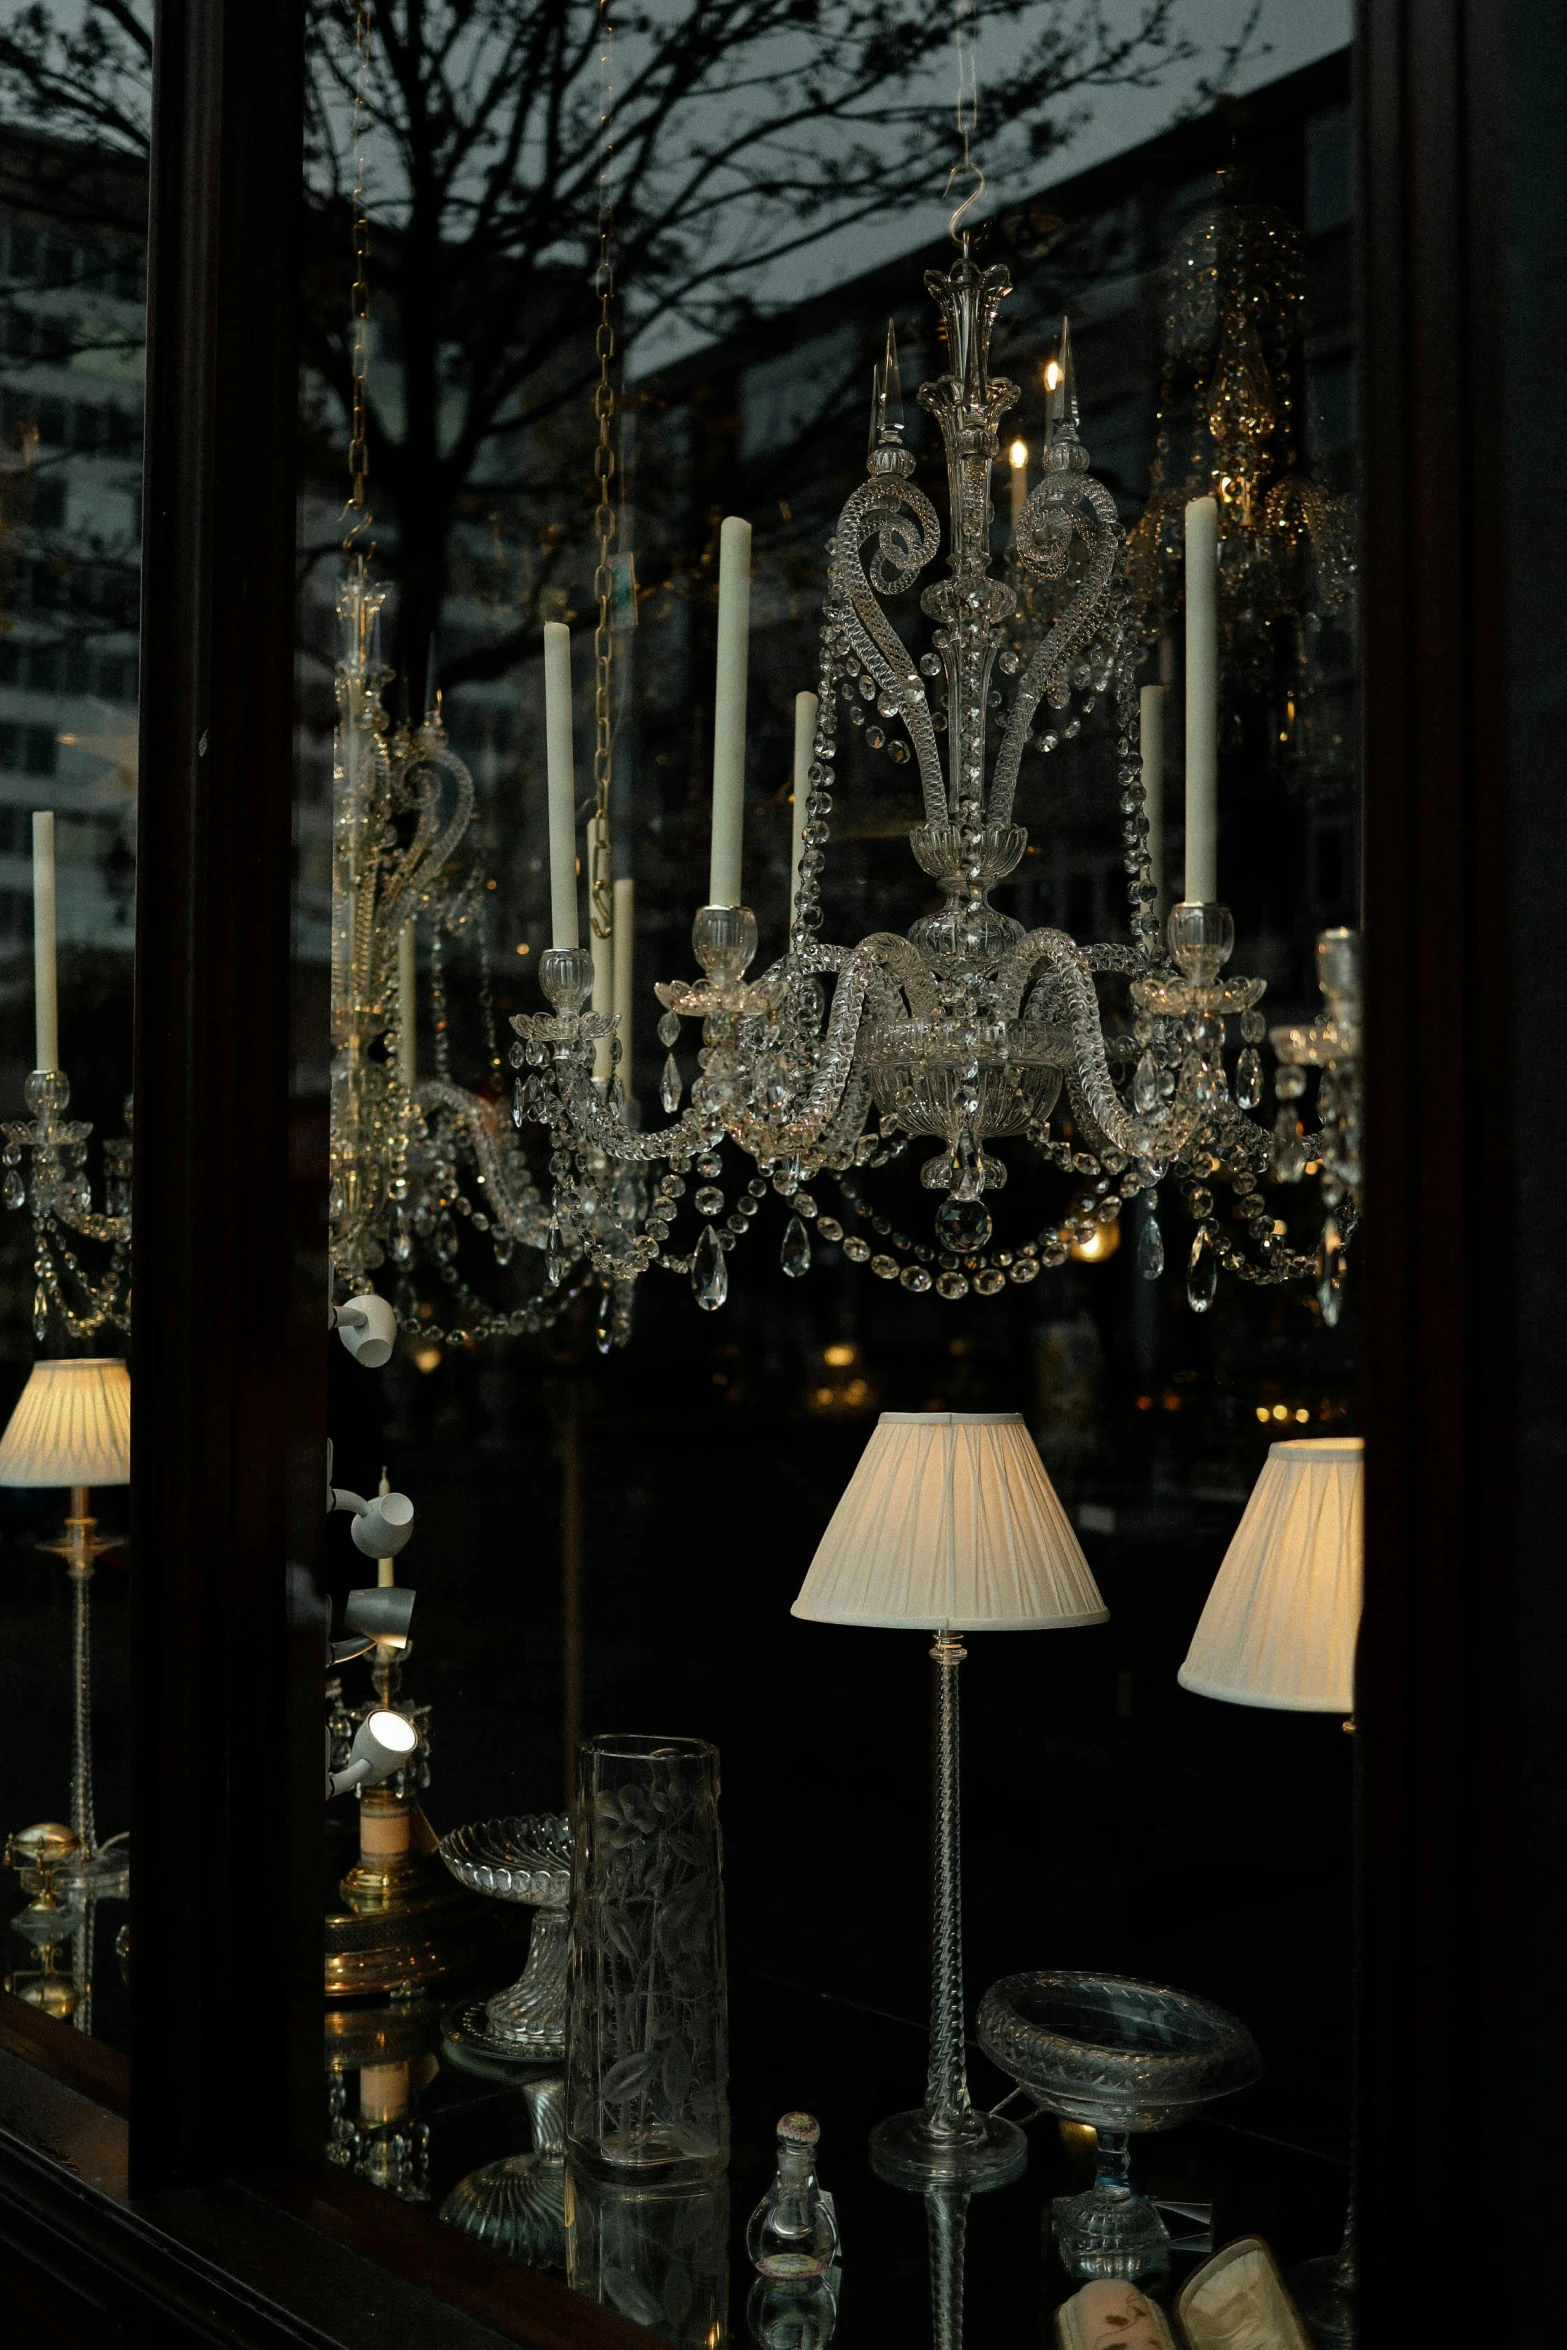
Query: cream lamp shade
x=950 y=1521
x=71 y=1426
x=1281 y=1620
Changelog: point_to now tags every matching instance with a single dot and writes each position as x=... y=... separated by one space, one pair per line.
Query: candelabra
x=56 y=1188
x=409 y=1158
x=970 y=1028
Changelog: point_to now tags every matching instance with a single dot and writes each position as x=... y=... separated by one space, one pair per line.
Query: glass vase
x=647 y=2014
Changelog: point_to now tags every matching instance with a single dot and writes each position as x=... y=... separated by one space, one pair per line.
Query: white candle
x=1150 y=715
x=1202 y=700
x=407 y=1005
x=734 y=638
x=560 y=765
x=806 y=707
x=603 y=993
x=46 y=1005
x=625 y=965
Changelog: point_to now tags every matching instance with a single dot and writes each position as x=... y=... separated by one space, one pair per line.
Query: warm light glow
x=1102 y=1242
x=1052 y=374
x=839 y=1356
x=1018 y=453
x=522 y=950
x=1302 y=1414
x=1262 y=1411
x=428 y=1358
x=1281 y=1411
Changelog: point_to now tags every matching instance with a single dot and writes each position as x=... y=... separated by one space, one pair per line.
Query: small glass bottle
x=792 y=2235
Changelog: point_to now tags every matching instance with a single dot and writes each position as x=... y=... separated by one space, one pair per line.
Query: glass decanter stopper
x=792 y=2235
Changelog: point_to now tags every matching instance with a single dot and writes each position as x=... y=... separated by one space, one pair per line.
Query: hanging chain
x=357 y=510
x=965 y=173
x=600 y=875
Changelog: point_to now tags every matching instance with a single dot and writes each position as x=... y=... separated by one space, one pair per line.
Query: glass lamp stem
x=79 y=1531
x=947 y=2106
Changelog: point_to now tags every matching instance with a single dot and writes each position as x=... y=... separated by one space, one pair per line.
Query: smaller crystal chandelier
x=409 y=1156
x=969 y=1030
x=56 y=1187
x=1234 y=323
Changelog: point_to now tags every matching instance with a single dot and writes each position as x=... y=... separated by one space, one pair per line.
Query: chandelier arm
x=1165 y=1134
x=882 y=957
x=605 y=1129
x=516 y=1206
x=1047 y=671
x=887 y=505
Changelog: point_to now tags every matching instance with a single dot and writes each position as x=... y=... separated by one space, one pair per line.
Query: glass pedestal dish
x=1124 y=2057
x=518 y=2205
x=525 y=1860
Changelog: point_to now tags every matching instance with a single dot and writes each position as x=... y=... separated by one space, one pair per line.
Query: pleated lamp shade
x=71 y=1426
x=1281 y=1620
x=950 y=1520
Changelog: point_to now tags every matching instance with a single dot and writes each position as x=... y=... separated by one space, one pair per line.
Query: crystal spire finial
x=887 y=425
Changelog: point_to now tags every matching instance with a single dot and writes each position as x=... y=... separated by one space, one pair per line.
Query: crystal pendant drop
x=40 y=1313
x=1248 y=1078
x=1145 y=1085
x=604 y=1335
x=669 y=1089
x=1150 y=1246
x=15 y=1189
x=1289 y=1148
x=519 y=1103
x=554 y=1257
x=1202 y=1274
x=709 y=1271
x=795 y=1253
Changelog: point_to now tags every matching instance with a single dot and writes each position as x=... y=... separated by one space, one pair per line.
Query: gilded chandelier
x=838 y=1059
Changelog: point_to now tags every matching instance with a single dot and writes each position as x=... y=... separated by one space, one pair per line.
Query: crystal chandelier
x=1234 y=324
x=410 y=1156
x=56 y=1188
x=836 y=1060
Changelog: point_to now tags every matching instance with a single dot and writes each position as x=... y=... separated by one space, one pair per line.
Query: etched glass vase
x=647 y=2015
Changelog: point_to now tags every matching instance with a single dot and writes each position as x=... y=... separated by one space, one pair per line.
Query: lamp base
x=988 y=2152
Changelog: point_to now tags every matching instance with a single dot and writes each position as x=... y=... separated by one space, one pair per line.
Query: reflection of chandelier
x=409 y=1156
x=968 y=1029
x=57 y=1188
x=1234 y=321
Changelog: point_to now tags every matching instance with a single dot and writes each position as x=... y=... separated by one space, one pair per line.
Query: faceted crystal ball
x=963 y=1225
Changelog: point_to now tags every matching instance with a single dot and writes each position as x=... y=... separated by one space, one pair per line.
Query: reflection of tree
x=747 y=134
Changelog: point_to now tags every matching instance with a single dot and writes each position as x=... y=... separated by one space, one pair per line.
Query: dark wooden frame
x=229 y=1390
x=226 y=1812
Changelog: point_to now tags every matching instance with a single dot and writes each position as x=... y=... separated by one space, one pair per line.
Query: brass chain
x=600 y=875
x=357 y=510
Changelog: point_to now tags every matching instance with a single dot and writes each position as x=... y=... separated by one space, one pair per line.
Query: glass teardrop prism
x=795 y=1253
x=1150 y=1246
x=1145 y=1085
x=1248 y=1078
x=604 y=1335
x=709 y=1271
x=1202 y=1274
x=15 y=1189
x=40 y=1313
x=554 y=1257
x=670 y=1088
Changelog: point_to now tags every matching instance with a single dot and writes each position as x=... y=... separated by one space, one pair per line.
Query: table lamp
x=72 y=1427
x=949 y=1525
x=1279 y=1630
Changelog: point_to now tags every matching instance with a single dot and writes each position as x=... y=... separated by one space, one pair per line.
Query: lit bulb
x=1019 y=455
x=1052 y=374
